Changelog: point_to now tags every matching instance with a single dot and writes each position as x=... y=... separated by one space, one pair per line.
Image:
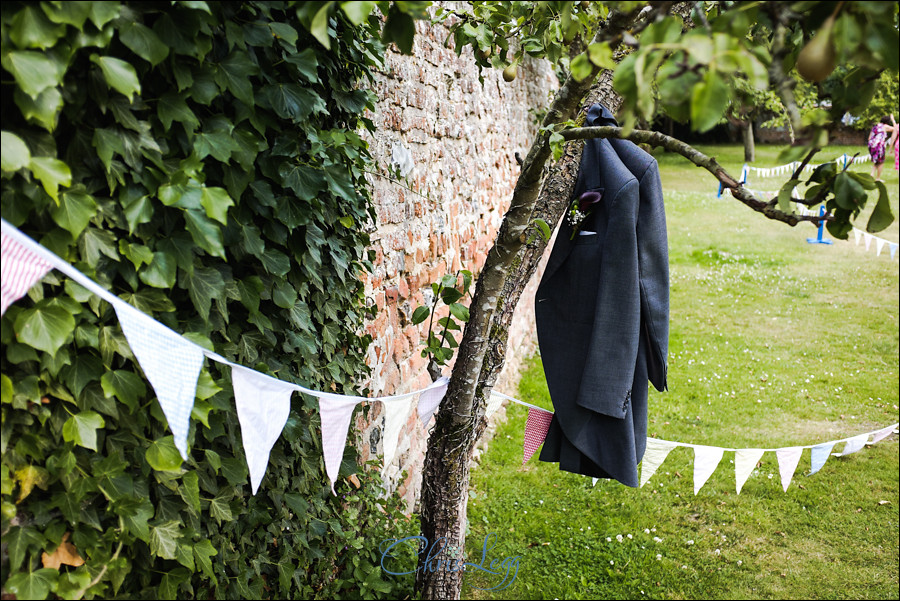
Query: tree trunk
x=749 y=144
x=508 y=267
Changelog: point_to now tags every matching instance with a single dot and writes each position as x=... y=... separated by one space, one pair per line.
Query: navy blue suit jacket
x=602 y=312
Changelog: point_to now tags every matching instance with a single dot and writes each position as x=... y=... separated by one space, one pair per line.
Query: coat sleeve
x=608 y=374
x=653 y=259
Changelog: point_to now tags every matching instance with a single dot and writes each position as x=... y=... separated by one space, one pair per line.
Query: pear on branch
x=816 y=60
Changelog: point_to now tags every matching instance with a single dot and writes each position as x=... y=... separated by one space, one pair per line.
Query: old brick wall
x=462 y=136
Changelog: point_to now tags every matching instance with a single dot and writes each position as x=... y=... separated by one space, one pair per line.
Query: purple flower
x=588 y=199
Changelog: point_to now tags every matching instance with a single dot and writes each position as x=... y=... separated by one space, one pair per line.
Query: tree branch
x=654 y=138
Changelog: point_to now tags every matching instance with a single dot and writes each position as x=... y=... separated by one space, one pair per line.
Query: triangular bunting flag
x=788 y=459
x=744 y=462
x=335 y=411
x=594 y=481
x=263 y=404
x=494 y=403
x=893 y=248
x=20 y=269
x=656 y=453
x=857 y=234
x=170 y=362
x=854 y=444
x=431 y=398
x=818 y=456
x=536 y=427
x=867 y=238
x=706 y=459
x=879 y=246
x=396 y=413
x=882 y=434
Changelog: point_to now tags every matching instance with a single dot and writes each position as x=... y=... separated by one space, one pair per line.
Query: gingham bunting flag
x=263 y=404
x=431 y=398
x=656 y=452
x=788 y=459
x=536 y=427
x=706 y=459
x=335 y=411
x=819 y=455
x=396 y=414
x=744 y=462
x=854 y=444
x=20 y=269
x=170 y=362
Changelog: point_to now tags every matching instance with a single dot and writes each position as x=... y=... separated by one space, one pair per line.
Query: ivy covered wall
x=203 y=162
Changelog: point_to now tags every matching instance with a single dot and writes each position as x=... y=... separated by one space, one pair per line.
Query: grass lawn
x=774 y=342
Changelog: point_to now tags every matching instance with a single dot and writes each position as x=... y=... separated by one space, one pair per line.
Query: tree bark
x=509 y=265
x=749 y=143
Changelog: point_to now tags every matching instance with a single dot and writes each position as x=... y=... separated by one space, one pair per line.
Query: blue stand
x=819 y=239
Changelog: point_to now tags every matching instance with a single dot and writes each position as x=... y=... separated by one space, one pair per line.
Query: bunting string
x=172 y=364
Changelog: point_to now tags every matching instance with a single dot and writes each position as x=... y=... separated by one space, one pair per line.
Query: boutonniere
x=580 y=209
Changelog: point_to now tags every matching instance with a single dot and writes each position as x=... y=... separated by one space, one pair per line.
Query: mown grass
x=774 y=342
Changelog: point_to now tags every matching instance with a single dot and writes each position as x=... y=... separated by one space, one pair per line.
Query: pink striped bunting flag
x=20 y=269
x=536 y=428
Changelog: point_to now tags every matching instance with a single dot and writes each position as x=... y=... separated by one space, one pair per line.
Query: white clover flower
x=656 y=539
x=609 y=540
x=646 y=530
x=611 y=562
x=739 y=562
x=658 y=557
x=619 y=537
x=690 y=542
x=717 y=552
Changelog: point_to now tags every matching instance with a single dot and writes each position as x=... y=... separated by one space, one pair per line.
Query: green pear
x=817 y=59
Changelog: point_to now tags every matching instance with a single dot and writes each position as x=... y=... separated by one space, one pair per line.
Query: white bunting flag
x=882 y=434
x=854 y=444
x=170 y=362
x=867 y=238
x=335 y=411
x=431 y=398
x=879 y=246
x=788 y=459
x=656 y=453
x=20 y=269
x=893 y=248
x=594 y=481
x=857 y=234
x=263 y=404
x=818 y=456
x=706 y=459
x=745 y=461
x=494 y=403
x=396 y=414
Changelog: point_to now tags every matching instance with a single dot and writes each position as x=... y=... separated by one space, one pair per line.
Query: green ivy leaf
x=144 y=42
x=82 y=429
x=216 y=202
x=160 y=273
x=399 y=28
x=203 y=285
x=219 y=507
x=136 y=516
x=44 y=327
x=15 y=152
x=172 y=107
x=306 y=64
x=53 y=173
x=357 y=12
x=163 y=456
x=202 y=553
x=119 y=75
x=30 y=28
x=291 y=101
x=68 y=13
x=74 y=211
x=319 y=25
x=34 y=72
x=33 y=585
x=125 y=385
x=43 y=110
x=190 y=491
x=205 y=233
x=164 y=539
